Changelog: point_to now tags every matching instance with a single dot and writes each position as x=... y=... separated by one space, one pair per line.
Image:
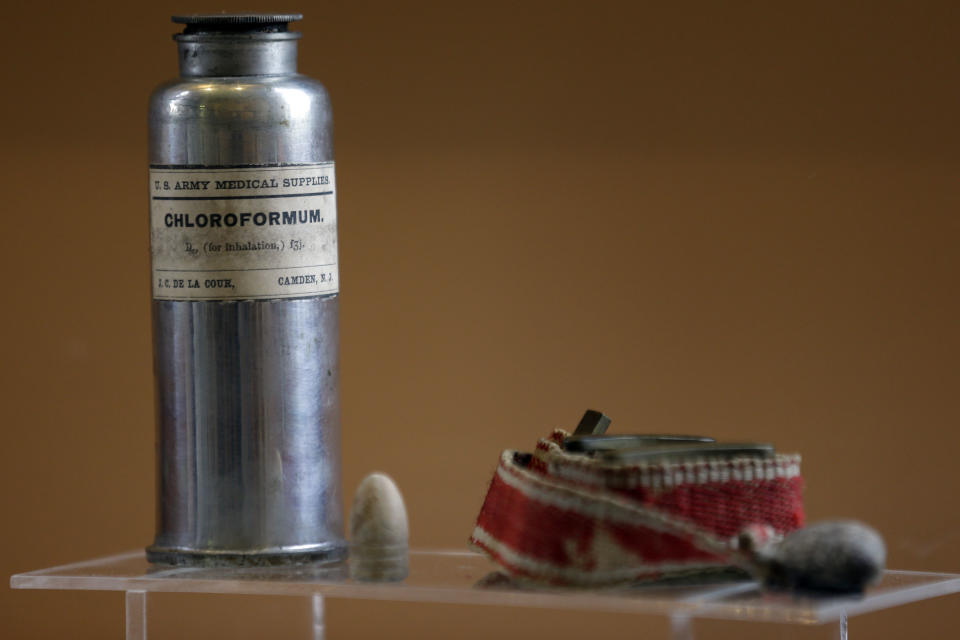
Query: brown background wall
x=738 y=220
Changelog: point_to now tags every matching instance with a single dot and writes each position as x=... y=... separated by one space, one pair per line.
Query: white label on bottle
x=243 y=233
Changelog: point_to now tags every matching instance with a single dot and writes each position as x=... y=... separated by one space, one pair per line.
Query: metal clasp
x=590 y=439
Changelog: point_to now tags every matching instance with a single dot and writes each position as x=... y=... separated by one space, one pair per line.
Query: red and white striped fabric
x=566 y=518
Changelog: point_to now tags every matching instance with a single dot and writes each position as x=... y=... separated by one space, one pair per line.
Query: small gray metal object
x=591 y=443
x=842 y=556
x=592 y=423
x=691 y=450
x=590 y=438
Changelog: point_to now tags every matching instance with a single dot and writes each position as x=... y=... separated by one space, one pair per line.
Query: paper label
x=243 y=233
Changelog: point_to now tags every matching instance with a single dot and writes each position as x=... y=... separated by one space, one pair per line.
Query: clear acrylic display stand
x=465 y=578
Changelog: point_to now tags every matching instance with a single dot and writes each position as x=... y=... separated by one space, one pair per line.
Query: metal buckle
x=589 y=439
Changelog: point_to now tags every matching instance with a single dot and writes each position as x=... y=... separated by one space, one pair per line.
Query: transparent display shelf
x=461 y=577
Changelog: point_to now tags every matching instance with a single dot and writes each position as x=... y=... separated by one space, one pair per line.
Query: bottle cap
x=236 y=22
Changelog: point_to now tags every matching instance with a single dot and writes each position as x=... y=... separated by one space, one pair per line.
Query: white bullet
x=379 y=532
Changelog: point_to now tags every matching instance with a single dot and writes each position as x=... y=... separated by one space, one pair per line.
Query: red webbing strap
x=573 y=519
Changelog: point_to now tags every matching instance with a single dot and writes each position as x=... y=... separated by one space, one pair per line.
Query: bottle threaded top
x=236 y=22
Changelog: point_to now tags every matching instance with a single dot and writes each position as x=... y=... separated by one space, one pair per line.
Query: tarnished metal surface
x=247 y=392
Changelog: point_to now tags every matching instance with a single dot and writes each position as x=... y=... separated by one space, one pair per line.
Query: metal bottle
x=247 y=380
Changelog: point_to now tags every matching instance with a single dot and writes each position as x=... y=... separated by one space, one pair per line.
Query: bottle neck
x=236 y=54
